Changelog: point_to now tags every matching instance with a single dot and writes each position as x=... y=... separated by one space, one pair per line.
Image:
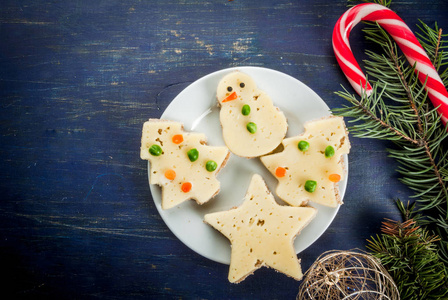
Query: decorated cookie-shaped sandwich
x=181 y=162
x=261 y=232
x=311 y=164
x=252 y=126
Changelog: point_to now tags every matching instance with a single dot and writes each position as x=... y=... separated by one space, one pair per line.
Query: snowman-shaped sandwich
x=252 y=126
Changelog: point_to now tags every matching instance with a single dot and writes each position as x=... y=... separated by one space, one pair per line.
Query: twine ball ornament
x=347 y=275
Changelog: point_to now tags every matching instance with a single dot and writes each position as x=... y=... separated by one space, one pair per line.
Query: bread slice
x=252 y=126
x=180 y=178
x=261 y=232
x=293 y=167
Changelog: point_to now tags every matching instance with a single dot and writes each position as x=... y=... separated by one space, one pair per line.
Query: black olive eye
x=229 y=88
x=242 y=84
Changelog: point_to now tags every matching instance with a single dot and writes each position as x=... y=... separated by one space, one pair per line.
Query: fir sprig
x=399 y=110
x=410 y=255
x=432 y=40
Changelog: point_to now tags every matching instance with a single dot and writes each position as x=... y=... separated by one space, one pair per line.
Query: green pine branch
x=399 y=110
x=410 y=255
x=431 y=40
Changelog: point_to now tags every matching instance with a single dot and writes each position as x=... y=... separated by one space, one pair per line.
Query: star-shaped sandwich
x=261 y=232
x=311 y=164
x=181 y=162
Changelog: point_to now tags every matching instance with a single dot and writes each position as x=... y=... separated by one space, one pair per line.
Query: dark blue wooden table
x=79 y=78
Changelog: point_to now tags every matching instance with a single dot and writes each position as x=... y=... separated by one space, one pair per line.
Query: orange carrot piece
x=170 y=174
x=280 y=172
x=230 y=97
x=334 y=177
x=186 y=187
x=177 y=138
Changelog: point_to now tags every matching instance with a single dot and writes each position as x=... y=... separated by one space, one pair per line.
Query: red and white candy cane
x=402 y=35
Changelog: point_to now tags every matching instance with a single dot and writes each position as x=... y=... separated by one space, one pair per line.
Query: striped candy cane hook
x=402 y=35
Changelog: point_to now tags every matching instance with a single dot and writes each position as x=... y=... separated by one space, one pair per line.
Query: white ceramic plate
x=196 y=107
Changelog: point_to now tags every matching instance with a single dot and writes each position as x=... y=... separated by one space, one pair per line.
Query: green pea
x=303 y=145
x=310 y=186
x=155 y=150
x=193 y=154
x=211 y=165
x=251 y=127
x=245 y=110
x=329 y=151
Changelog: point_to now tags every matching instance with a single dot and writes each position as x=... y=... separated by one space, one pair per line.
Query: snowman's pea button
x=251 y=127
x=245 y=110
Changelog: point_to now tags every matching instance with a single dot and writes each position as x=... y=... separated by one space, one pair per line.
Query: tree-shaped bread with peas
x=181 y=162
x=252 y=126
x=311 y=164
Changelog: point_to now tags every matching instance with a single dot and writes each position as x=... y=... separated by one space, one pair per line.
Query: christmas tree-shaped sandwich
x=311 y=164
x=181 y=162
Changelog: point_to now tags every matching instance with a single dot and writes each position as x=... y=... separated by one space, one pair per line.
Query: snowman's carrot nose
x=230 y=97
